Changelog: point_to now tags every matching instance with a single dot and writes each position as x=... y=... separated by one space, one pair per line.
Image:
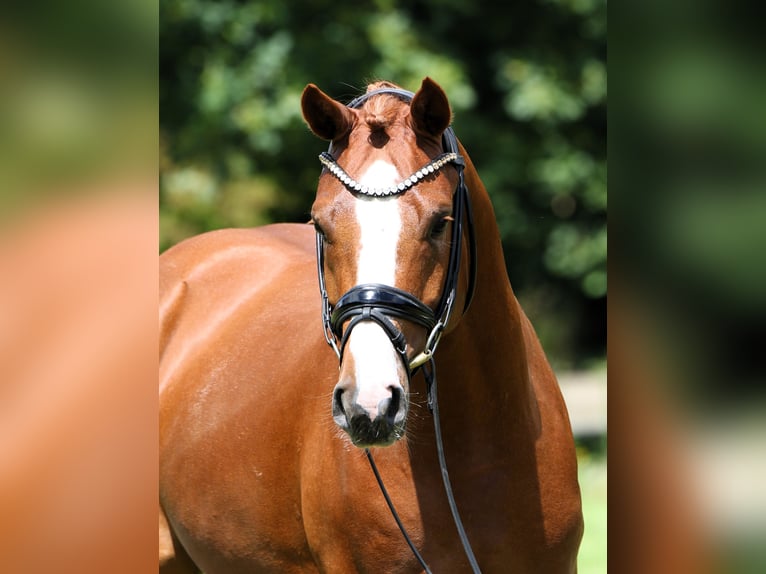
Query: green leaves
x=576 y=252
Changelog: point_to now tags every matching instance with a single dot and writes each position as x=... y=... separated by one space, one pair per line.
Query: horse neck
x=483 y=366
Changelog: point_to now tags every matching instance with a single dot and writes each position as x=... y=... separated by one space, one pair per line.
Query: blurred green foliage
x=527 y=82
x=691 y=167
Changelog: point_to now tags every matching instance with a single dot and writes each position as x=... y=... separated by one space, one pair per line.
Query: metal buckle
x=433 y=341
x=329 y=334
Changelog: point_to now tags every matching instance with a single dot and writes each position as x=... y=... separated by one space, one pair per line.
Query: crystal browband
x=354 y=186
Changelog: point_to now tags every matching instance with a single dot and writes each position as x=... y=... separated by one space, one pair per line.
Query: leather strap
x=376 y=302
x=390 y=300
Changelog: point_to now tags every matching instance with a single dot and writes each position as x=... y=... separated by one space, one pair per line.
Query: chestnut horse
x=264 y=430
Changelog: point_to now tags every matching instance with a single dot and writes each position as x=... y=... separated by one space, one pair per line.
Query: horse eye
x=438 y=228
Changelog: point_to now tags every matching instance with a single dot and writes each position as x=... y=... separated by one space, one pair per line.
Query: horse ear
x=325 y=117
x=430 y=110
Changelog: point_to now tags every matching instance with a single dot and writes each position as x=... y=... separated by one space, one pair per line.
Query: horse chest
x=349 y=527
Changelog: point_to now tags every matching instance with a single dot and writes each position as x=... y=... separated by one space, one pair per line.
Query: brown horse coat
x=255 y=476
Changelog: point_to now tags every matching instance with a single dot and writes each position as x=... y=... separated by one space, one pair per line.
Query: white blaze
x=380 y=225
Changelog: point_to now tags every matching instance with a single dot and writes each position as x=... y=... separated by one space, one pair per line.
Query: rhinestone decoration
x=354 y=186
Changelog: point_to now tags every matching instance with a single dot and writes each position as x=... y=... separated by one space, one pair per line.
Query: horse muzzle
x=370 y=422
x=369 y=402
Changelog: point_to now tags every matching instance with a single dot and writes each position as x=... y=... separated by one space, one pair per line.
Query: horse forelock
x=382 y=110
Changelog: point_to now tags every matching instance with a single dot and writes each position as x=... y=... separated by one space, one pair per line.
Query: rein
x=378 y=303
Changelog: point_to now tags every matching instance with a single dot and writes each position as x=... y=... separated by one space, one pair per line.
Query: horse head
x=383 y=213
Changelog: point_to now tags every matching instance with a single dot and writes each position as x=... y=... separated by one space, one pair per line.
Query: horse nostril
x=393 y=409
x=338 y=401
x=396 y=399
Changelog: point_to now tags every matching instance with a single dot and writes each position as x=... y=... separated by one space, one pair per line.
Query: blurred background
x=527 y=83
x=79 y=233
x=687 y=317
x=78 y=287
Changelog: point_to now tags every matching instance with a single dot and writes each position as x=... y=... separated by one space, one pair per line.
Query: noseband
x=379 y=303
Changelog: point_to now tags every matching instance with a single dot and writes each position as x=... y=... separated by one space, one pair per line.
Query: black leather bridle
x=380 y=303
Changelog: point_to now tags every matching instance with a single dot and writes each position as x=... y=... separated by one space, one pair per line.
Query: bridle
x=379 y=303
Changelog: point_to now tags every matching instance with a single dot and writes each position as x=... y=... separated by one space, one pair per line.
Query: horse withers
x=264 y=428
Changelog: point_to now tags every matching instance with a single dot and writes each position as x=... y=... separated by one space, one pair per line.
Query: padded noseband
x=377 y=302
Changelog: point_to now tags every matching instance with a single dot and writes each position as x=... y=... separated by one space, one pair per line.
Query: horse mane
x=381 y=111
